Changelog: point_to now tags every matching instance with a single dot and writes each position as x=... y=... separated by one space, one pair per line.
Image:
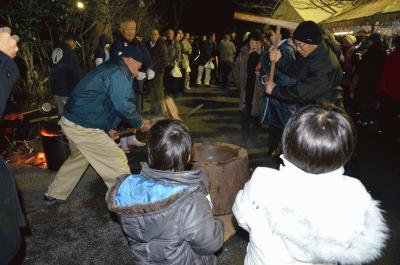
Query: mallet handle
x=265 y=20
x=277 y=39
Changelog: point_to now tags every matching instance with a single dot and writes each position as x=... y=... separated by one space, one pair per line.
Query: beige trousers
x=207 y=77
x=88 y=146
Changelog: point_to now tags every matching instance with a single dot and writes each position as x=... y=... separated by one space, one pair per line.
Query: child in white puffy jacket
x=308 y=212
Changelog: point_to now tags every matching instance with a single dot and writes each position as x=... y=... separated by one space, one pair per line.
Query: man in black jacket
x=159 y=55
x=11 y=216
x=316 y=70
x=65 y=71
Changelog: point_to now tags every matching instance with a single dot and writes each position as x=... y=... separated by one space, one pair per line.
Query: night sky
x=206 y=16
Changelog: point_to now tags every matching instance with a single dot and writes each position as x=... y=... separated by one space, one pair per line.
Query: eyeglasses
x=299 y=44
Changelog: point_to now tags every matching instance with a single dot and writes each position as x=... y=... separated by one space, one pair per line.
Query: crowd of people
x=165 y=210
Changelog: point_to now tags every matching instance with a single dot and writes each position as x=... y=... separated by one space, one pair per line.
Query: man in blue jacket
x=97 y=104
x=128 y=39
x=65 y=71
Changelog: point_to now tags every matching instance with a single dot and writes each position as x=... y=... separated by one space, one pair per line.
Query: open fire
x=45 y=133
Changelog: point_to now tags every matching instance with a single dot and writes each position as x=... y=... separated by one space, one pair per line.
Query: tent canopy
x=364 y=10
x=301 y=10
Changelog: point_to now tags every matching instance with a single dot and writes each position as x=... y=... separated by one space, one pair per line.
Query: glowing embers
x=46 y=133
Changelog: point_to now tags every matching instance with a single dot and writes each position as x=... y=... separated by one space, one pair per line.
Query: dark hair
x=318 y=139
x=285 y=33
x=170 y=145
x=255 y=35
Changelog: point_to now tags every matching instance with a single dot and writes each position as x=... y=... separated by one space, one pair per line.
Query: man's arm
x=290 y=66
x=8 y=76
x=311 y=88
x=123 y=98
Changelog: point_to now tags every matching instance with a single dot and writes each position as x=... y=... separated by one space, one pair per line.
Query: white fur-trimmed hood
x=324 y=218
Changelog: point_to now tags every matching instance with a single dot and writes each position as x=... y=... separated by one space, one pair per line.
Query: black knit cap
x=308 y=32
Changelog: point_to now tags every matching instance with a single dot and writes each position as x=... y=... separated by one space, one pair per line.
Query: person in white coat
x=308 y=211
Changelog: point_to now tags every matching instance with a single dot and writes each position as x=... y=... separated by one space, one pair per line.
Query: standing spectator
x=159 y=55
x=235 y=39
x=389 y=92
x=186 y=53
x=214 y=58
x=369 y=70
x=128 y=40
x=181 y=80
x=11 y=215
x=98 y=103
x=194 y=58
x=246 y=63
x=65 y=71
x=164 y=210
x=227 y=51
x=174 y=58
x=102 y=53
x=308 y=211
x=316 y=70
x=204 y=62
x=347 y=61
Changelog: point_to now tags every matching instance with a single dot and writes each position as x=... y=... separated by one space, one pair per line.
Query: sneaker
x=132 y=140
x=49 y=200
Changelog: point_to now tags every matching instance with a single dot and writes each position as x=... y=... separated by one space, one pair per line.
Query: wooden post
x=277 y=39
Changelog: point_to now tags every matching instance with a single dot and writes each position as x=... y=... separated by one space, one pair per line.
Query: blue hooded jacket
x=103 y=97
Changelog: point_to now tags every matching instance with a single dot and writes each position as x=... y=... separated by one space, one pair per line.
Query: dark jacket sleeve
x=9 y=74
x=11 y=215
x=147 y=61
x=200 y=229
x=290 y=66
x=315 y=85
x=115 y=50
x=74 y=70
x=123 y=98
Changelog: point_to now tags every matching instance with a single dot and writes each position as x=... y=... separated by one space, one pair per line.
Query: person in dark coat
x=165 y=210
x=11 y=215
x=389 y=93
x=204 y=62
x=102 y=52
x=316 y=70
x=159 y=55
x=369 y=70
x=65 y=71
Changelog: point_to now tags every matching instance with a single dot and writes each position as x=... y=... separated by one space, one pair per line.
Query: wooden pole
x=265 y=20
x=277 y=39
